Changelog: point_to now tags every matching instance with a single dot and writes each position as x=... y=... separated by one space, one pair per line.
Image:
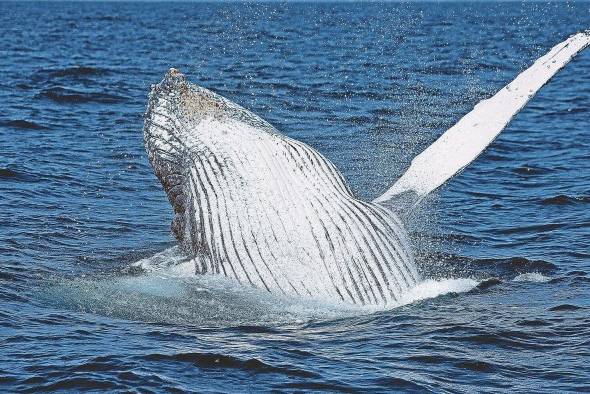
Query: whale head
x=255 y=205
x=193 y=138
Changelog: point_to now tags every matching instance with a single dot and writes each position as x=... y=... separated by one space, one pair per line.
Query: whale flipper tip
x=471 y=135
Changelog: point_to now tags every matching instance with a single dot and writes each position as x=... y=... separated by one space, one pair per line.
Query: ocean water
x=504 y=247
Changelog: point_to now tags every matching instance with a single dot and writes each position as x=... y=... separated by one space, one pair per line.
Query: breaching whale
x=269 y=211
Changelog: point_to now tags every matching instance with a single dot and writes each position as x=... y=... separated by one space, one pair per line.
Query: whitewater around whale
x=268 y=211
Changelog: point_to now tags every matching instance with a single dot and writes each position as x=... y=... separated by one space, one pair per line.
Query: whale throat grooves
x=264 y=209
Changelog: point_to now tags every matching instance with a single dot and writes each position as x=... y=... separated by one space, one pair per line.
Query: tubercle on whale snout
x=167 y=106
x=173 y=80
x=173 y=83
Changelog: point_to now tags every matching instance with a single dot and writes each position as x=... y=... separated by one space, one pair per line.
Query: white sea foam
x=166 y=289
x=170 y=261
x=432 y=288
x=532 y=277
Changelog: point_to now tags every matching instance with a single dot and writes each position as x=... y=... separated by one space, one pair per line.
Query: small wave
x=359 y=119
x=7 y=276
x=486 y=284
x=495 y=157
x=518 y=264
x=76 y=71
x=477 y=366
x=565 y=308
x=122 y=156
x=577 y=273
x=526 y=170
x=384 y=111
x=70 y=96
x=256 y=330
x=532 y=277
x=23 y=124
x=476 y=193
x=563 y=199
x=533 y=323
x=314 y=387
x=13 y=175
x=8 y=173
x=567 y=111
x=215 y=360
x=537 y=228
x=441 y=69
x=106 y=18
x=4 y=379
x=74 y=384
x=440 y=264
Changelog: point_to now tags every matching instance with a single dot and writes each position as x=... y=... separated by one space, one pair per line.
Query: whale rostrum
x=270 y=211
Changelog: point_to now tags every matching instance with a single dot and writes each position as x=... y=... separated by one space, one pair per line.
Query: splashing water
x=532 y=277
x=164 y=288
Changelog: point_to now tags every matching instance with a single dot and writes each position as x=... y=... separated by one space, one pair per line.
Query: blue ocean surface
x=504 y=247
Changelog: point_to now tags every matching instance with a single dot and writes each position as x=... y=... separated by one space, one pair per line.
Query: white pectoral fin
x=467 y=139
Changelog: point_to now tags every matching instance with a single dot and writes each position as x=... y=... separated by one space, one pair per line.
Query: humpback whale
x=269 y=211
